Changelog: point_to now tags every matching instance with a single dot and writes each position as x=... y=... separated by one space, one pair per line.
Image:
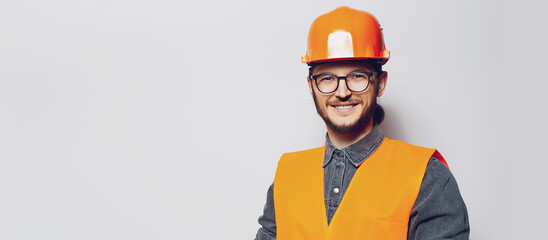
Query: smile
x=344 y=108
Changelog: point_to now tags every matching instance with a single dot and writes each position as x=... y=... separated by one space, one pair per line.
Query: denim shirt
x=439 y=211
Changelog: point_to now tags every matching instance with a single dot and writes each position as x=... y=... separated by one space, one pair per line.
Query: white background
x=165 y=119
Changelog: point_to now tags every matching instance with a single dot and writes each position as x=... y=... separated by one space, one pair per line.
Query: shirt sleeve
x=439 y=211
x=268 y=219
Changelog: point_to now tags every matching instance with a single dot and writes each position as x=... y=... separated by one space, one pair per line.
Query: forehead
x=342 y=67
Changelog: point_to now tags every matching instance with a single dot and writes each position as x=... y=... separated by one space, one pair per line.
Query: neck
x=341 y=141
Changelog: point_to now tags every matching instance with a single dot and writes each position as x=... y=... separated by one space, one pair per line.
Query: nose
x=342 y=91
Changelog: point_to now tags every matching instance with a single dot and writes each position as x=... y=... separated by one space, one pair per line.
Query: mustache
x=346 y=102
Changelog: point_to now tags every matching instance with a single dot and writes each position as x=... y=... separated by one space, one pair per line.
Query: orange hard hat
x=345 y=34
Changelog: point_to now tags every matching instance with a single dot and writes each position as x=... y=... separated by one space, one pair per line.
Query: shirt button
x=336 y=190
x=340 y=154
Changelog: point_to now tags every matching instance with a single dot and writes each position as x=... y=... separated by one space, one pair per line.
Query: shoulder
x=303 y=154
x=408 y=149
x=404 y=146
x=294 y=163
x=293 y=167
x=439 y=211
x=437 y=167
x=438 y=176
x=438 y=182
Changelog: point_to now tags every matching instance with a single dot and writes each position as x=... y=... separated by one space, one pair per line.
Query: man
x=391 y=189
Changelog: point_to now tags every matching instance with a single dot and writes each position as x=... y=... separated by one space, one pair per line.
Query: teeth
x=343 y=107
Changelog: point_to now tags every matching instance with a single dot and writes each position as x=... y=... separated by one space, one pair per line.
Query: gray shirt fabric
x=438 y=213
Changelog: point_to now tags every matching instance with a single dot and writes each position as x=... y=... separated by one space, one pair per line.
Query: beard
x=355 y=127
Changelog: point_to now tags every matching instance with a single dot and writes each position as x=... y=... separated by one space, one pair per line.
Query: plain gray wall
x=165 y=119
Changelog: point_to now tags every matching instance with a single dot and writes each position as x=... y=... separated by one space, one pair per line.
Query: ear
x=310 y=86
x=382 y=83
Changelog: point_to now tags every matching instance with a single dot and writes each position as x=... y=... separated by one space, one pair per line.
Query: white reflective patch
x=339 y=45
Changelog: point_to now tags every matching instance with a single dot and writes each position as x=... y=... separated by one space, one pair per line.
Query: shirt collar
x=360 y=150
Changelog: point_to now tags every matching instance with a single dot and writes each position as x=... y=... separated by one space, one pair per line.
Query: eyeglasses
x=355 y=81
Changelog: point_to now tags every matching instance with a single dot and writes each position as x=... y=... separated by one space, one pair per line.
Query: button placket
x=336 y=184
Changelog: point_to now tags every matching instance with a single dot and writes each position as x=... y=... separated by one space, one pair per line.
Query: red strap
x=438 y=156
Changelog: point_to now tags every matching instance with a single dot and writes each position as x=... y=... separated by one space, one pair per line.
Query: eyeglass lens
x=356 y=82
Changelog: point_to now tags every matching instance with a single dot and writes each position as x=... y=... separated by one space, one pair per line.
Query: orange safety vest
x=377 y=202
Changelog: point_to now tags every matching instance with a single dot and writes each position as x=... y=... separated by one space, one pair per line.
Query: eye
x=325 y=78
x=357 y=76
